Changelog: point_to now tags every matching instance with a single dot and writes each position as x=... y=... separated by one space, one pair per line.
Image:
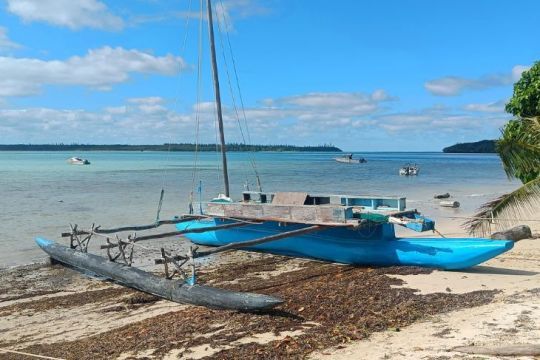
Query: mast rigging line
x=226 y=26
x=194 y=174
x=176 y=99
x=233 y=98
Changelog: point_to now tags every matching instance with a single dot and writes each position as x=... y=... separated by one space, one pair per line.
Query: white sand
x=514 y=318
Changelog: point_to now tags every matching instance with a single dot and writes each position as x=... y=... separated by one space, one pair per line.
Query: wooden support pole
x=182 y=219
x=181 y=232
x=262 y=240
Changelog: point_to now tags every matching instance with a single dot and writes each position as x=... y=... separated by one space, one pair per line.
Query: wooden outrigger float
x=177 y=291
x=118 y=267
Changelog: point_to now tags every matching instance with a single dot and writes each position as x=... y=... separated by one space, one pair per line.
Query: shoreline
x=383 y=312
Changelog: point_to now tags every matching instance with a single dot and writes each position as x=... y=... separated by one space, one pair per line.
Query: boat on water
x=409 y=169
x=348 y=159
x=78 y=161
x=348 y=229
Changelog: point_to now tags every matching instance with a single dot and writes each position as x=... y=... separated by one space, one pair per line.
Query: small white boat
x=409 y=170
x=348 y=159
x=78 y=161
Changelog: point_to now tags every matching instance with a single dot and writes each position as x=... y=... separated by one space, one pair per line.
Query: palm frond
x=520 y=150
x=508 y=210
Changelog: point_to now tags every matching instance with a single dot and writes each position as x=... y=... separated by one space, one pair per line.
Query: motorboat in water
x=348 y=159
x=78 y=161
x=409 y=169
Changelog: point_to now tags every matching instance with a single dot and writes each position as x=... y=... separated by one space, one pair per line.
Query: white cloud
x=5 y=42
x=147 y=120
x=440 y=119
x=492 y=107
x=305 y=118
x=226 y=12
x=99 y=69
x=517 y=70
x=151 y=100
x=455 y=85
x=149 y=105
x=74 y=14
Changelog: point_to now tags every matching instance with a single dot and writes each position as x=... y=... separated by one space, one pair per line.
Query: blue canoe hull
x=376 y=245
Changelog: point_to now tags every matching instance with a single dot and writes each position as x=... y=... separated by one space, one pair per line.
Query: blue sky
x=383 y=75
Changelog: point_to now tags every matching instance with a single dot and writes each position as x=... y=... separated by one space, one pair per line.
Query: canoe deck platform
x=312 y=209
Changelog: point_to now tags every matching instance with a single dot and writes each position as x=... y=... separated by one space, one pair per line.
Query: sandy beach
x=330 y=312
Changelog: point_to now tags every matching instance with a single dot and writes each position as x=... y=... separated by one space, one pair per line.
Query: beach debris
x=509 y=350
x=515 y=234
x=384 y=307
x=450 y=204
x=442 y=196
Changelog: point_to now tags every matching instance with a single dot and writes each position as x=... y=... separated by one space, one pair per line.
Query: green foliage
x=507 y=210
x=484 y=146
x=166 y=147
x=526 y=99
x=519 y=149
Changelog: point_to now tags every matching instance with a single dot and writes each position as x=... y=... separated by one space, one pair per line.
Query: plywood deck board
x=290 y=198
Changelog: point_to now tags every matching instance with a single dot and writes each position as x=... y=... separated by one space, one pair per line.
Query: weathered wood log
x=510 y=350
x=180 y=232
x=176 y=291
x=516 y=233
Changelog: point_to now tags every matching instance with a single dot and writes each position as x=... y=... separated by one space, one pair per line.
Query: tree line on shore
x=166 y=147
x=483 y=146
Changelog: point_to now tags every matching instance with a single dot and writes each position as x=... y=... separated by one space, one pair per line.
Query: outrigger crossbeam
x=98 y=230
x=245 y=244
x=181 y=232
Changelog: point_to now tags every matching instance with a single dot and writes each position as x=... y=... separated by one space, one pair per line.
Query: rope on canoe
x=30 y=355
x=439 y=233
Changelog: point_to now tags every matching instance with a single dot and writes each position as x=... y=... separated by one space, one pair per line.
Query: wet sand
x=330 y=311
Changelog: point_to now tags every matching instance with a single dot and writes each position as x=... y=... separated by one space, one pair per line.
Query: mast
x=218 y=97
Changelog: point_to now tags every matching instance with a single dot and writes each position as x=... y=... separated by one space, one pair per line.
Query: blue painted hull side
x=371 y=246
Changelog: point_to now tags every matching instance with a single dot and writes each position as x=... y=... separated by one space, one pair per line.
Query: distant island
x=484 y=146
x=166 y=147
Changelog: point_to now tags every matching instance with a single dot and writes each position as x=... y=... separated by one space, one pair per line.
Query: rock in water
x=516 y=233
x=450 y=204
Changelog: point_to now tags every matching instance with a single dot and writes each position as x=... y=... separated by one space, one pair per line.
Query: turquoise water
x=40 y=194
